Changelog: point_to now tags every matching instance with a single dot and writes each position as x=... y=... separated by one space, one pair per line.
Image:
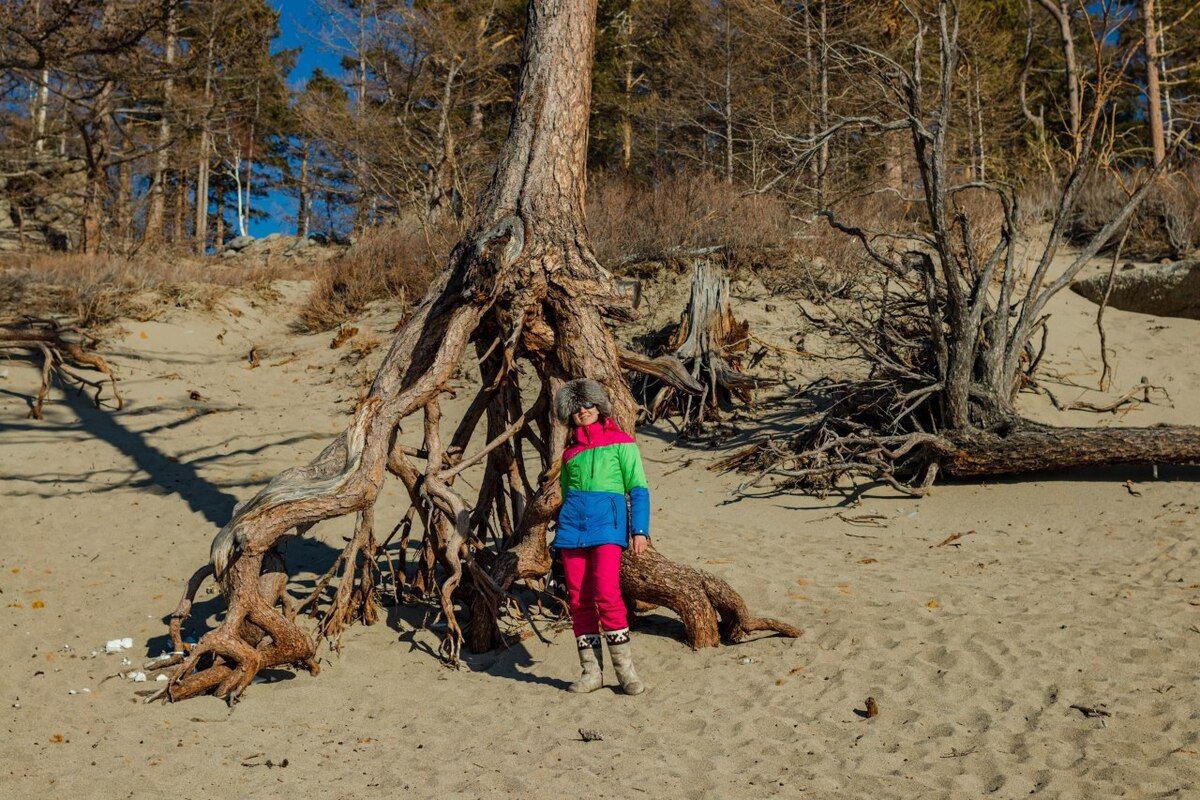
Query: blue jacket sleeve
x=635 y=485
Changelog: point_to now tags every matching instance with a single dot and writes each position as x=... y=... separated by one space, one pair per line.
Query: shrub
x=680 y=213
x=1165 y=225
x=396 y=261
x=93 y=290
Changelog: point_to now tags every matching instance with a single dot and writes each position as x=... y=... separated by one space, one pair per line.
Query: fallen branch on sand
x=63 y=350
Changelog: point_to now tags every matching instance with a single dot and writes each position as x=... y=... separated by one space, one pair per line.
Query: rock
x=270 y=237
x=240 y=242
x=117 y=645
x=1164 y=290
x=41 y=202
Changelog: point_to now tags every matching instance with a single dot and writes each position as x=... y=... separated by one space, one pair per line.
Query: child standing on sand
x=601 y=466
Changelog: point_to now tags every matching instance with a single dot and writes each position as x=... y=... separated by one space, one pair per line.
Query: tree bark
x=823 y=103
x=1029 y=447
x=626 y=122
x=181 y=194
x=202 y=164
x=1154 y=112
x=727 y=98
x=155 y=211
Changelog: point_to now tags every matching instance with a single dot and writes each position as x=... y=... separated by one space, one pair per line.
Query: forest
x=135 y=125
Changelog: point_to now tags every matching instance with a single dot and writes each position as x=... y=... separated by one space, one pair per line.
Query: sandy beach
x=1050 y=649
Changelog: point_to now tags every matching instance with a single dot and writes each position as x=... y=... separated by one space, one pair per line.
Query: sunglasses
x=586 y=406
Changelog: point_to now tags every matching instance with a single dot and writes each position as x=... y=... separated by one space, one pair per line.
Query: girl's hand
x=640 y=543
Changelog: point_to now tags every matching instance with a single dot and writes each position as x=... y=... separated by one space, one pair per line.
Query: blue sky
x=300 y=25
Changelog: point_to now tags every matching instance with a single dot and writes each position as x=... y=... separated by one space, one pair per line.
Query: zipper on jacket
x=613 y=503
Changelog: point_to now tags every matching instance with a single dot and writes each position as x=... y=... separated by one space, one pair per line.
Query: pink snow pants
x=594 y=588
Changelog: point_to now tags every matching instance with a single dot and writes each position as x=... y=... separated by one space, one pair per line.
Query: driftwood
x=710 y=609
x=523 y=285
x=63 y=350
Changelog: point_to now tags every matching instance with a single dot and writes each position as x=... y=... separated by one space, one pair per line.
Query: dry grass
x=628 y=223
x=1165 y=225
x=395 y=262
x=94 y=290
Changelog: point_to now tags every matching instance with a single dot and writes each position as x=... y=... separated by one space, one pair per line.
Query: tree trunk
x=181 y=195
x=626 y=123
x=302 y=215
x=202 y=164
x=219 y=219
x=524 y=278
x=124 y=206
x=823 y=105
x=1061 y=12
x=1029 y=447
x=39 y=112
x=96 y=149
x=708 y=344
x=1154 y=113
x=41 y=97
x=441 y=192
x=727 y=99
x=153 y=233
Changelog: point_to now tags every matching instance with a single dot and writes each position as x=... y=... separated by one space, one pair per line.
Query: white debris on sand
x=117 y=645
x=137 y=677
x=161 y=678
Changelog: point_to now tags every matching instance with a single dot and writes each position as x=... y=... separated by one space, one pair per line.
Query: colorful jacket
x=600 y=467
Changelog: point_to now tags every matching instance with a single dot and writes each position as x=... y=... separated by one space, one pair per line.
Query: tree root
x=208 y=665
x=710 y=609
x=63 y=349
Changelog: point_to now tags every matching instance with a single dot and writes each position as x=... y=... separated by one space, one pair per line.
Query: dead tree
x=63 y=350
x=523 y=284
x=711 y=345
x=951 y=332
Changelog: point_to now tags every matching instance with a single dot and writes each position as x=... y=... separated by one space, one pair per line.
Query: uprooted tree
x=953 y=330
x=522 y=285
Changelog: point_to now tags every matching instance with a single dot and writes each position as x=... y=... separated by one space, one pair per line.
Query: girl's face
x=586 y=415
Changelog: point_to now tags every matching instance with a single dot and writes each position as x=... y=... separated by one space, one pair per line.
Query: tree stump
x=709 y=344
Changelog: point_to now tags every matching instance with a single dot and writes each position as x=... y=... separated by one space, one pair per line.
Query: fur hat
x=577 y=392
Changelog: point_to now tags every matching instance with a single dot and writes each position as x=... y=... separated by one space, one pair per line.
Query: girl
x=601 y=465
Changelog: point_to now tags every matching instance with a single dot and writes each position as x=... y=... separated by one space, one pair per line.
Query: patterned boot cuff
x=617 y=637
x=587 y=640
